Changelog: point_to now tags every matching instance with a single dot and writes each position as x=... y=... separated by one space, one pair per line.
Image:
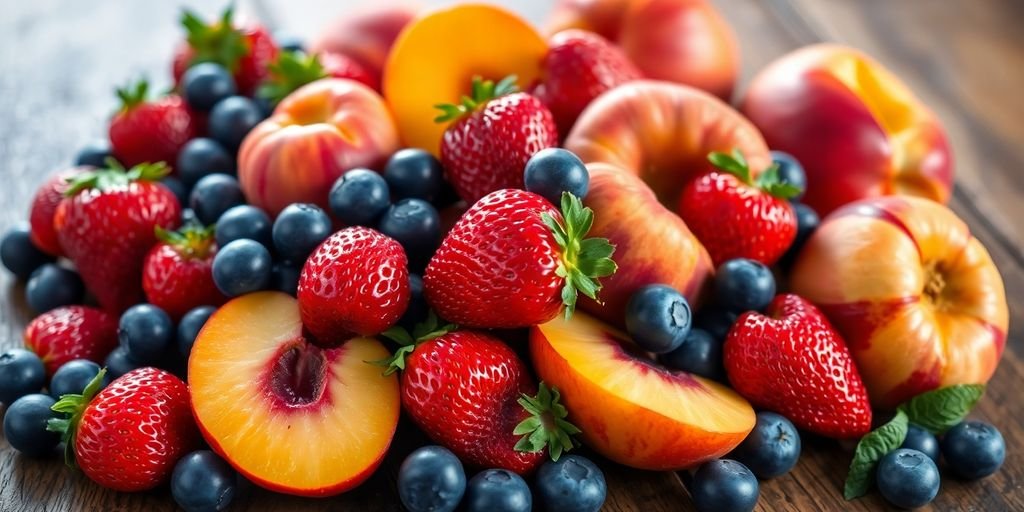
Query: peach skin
x=603 y=17
x=916 y=297
x=366 y=35
x=315 y=134
x=858 y=131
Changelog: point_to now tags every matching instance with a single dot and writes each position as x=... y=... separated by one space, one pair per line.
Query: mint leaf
x=939 y=410
x=870 y=450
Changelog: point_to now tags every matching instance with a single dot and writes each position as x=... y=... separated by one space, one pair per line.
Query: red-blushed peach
x=858 y=131
x=315 y=134
x=652 y=244
x=603 y=17
x=916 y=297
x=630 y=409
x=366 y=35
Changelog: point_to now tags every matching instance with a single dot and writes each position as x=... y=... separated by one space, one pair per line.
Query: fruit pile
x=526 y=245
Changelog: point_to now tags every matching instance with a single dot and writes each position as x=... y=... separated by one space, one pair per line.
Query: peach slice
x=291 y=417
x=630 y=409
x=436 y=57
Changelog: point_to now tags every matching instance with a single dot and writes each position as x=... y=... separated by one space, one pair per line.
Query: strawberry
x=106 y=224
x=146 y=130
x=292 y=70
x=513 y=260
x=491 y=136
x=355 y=282
x=578 y=67
x=44 y=206
x=128 y=436
x=791 y=361
x=737 y=216
x=472 y=394
x=178 y=273
x=71 y=332
x=246 y=51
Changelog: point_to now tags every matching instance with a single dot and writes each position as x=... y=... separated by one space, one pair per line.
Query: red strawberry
x=146 y=130
x=579 y=66
x=106 y=226
x=491 y=136
x=44 y=206
x=246 y=51
x=292 y=70
x=356 y=282
x=71 y=332
x=738 y=216
x=129 y=436
x=178 y=273
x=513 y=260
x=793 y=362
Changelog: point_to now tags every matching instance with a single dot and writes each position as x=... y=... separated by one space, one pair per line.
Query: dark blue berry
x=244 y=221
x=790 y=171
x=188 y=217
x=431 y=479
x=145 y=331
x=418 y=309
x=241 y=267
x=700 y=354
x=717 y=321
x=118 y=363
x=19 y=254
x=206 y=84
x=359 y=197
x=551 y=171
x=200 y=157
x=203 y=482
x=284 y=277
x=807 y=221
x=724 y=485
x=265 y=105
x=973 y=449
x=176 y=187
x=289 y=42
x=414 y=173
x=923 y=441
x=190 y=325
x=498 y=490
x=772 y=448
x=52 y=286
x=658 y=318
x=94 y=154
x=73 y=376
x=416 y=225
x=231 y=120
x=907 y=478
x=21 y=373
x=25 y=425
x=572 y=484
x=744 y=285
x=213 y=195
x=299 y=229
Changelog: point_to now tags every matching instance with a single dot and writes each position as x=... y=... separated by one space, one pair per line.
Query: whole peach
x=601 y=16
x=366 y=35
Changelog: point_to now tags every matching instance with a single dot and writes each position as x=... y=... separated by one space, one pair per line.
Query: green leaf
x=731 y=164
x=583 y=260
x=288 y=72
x=481 y=92
x=939 y=410
x=546 y=425
x=72 y=406
x=528 y=425
x=398 y=335
x=218 y=42
x=870 y=450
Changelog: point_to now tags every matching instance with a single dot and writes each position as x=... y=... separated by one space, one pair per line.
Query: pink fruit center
x=298 y=375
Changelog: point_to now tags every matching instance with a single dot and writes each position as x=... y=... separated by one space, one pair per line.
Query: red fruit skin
x=134 y=431
x=71 y=332
x=108 y=233
x=177 y=283
x=355 y=283
x=580 y=66
x=339 y=65
x=44 y=206
x=252 y=68
x=153 y=131
x=496 y=267
x=793 y=362
x=735 y=220
x=461 y=390
x=488 y=149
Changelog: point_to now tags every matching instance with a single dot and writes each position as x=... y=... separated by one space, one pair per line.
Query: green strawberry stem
x=482 y=92
x=584 y=260
x=115 y=175
x=133 y=94
x=192 y=241
x=290 y=71
x=768 y=181
x=546 y=426
x=72 y=406
x=421 y=332
x=219 y=42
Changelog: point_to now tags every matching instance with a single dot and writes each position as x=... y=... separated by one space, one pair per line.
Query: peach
x=916 y=297
x=858 y=131
x=601 y=16
x=366 y=35
x=315 y=134
x=630 y=409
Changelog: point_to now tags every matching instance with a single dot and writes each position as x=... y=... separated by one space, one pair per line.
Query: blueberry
x=658 y=318
x=21 y=373
x=231 y=120
x=265 y=105
x=724 y=485
x=202 y=156
x=414 y=173
x=119 y=362
x=772 y=448
x=289 y=42
x=416 y=225
x=203 y=482
x=25 y=425
x=205 y=84
x=551 y=171
x=244 y=221
x=359 y=197
x=189 y=327
x=418 y=309
x=498 y=490
x=213 y=195
x=790 y=171
x=73 y=376
x=284 y=277
x=19 y=254
x=907 y=478
x=572 y=484
x=744 y=285
x=807 y=221
x=145 y=331
x=700 y=354
x=973 y=449
x=177 y=188
x=299 y=229
x=188 y=216
x=431 y=479
x=52 y=286
x=923 y=441
x=717 y=321
x=241 y=267
x=94 y=154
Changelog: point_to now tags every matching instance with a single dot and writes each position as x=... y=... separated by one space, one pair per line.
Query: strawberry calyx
x=192 y=241
x=133 y=94
x=583 y=260
x=427 y=330
x=290 y=71
x=72 y=406
x=482 y=91
x=218 y=42
x=546 y=426
x=115 y=176
x=768 y=181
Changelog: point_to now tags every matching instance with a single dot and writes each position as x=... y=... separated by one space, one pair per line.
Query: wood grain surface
x=59 y=60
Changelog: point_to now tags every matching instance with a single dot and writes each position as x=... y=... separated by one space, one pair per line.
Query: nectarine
x=366 y=35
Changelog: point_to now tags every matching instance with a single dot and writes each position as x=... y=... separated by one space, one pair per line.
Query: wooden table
x=60 y=58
